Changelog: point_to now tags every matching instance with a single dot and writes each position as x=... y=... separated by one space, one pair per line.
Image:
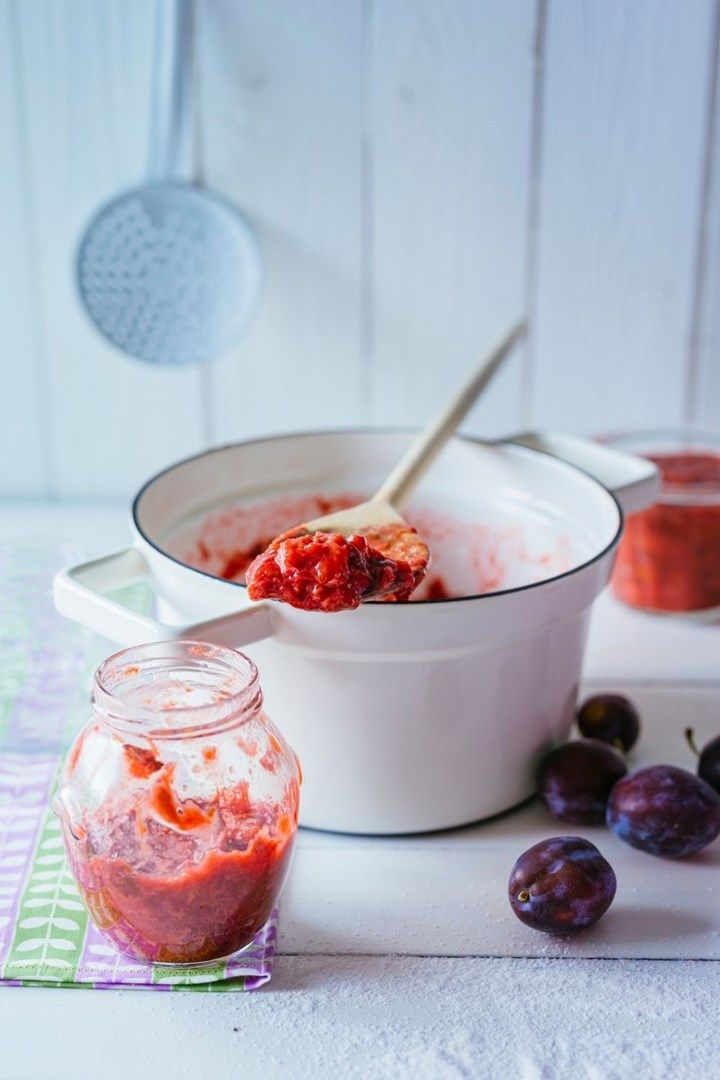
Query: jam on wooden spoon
x=367 y=552
x=327 y=571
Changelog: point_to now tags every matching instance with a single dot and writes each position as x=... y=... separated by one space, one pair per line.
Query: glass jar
x=669 y=557
x=179 y=803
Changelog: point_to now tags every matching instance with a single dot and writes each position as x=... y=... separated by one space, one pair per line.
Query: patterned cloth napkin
x=46 y=937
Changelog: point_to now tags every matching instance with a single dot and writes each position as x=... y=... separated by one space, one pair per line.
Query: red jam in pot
x=322 y=571
x=180 y=808
x=669 y=558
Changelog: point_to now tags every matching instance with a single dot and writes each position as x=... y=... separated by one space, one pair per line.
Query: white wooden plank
x=383 y=1018
x=703 y=399
x=86 y=71
x=445 y=894
x=624 y=643
x=280 y=85
x=625 y=107
x=23 y=423
x=93 y=527
x=449 y=128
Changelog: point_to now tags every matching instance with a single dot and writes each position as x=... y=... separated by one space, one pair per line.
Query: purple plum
x=665 y=811
x=612 y=718
x=708 y=766
x=561 y=885
x=574 y=781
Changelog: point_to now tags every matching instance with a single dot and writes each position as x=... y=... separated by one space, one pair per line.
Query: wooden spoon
x=382 y=508
x=368 y=551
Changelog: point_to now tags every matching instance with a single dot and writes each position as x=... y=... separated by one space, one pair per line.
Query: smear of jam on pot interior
x=469 y=558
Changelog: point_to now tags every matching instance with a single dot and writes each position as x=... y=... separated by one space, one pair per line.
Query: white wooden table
x=401 y=957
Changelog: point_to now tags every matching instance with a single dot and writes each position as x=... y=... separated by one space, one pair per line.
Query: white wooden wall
x=420 y=172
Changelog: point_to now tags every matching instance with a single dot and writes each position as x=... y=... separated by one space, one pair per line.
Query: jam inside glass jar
x=669 y=557
x=179 y=803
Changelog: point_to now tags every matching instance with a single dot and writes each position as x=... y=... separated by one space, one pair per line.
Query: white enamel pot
x=406 y=717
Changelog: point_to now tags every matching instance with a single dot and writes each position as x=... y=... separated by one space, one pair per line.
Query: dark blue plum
x=665 y=811
x=561 y=885
x=575 y=780
x=708 y=766
x=612 y=718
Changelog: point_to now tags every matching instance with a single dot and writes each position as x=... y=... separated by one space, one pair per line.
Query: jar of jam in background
x=179 y=803
x=669 y=557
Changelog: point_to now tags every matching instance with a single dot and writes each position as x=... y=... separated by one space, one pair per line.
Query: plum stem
x=690 y=740
x=523 y=896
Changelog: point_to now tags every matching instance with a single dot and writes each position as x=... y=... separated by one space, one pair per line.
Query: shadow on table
x=649 y=925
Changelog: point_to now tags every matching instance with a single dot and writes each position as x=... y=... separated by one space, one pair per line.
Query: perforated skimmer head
x=169 y=273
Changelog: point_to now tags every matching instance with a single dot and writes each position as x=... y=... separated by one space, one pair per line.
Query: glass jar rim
x=656 y=441
x=238 y=697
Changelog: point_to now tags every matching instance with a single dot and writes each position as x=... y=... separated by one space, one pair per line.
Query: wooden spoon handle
x=403 y=479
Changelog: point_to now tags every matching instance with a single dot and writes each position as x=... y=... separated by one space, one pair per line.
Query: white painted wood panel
x=448 y=136
x=624 y=129
x=23 y=462
x=86 y=98
x=383 y=150
x=703 y=397
x=281 y=100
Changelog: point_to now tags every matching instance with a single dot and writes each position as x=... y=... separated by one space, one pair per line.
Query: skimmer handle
x=172 y=65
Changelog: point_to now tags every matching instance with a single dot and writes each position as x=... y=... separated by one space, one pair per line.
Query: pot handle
x=79 y=593
x=633 y=480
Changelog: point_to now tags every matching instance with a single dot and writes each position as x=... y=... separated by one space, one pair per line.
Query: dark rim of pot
x=384 y=431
